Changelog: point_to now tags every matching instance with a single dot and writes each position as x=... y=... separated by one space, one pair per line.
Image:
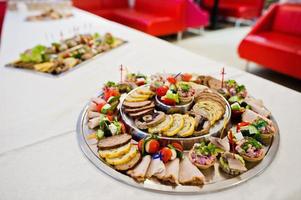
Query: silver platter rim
x=159 y=188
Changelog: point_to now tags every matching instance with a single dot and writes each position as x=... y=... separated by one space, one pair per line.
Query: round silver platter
x=215 y=179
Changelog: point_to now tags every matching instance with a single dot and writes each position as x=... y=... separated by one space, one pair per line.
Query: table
x=39 y=154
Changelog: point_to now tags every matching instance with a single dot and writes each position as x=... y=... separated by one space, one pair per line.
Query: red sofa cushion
x=88 y=5
x=146 y=22
x=274 y=50
x=288 y=19
x=155 y=17
x=277 y=40
x=237 y=8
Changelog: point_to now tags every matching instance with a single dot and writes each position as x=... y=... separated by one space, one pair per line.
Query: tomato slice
x=162 y=90
x=100 y=105
x=186 y=77
x=171 y=80
x=167 y=101
x=177 y=146
x=241 y=124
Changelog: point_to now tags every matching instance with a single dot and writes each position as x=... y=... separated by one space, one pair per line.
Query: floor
x=221 y=45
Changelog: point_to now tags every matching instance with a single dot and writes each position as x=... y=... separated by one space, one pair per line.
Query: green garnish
x=204 y=149
x=240 y=88
x=260 y=123
x=111 y=84
x=35 y=55
x=185 y=87
x=96 y=35
x=234 y=99
x=252 y=142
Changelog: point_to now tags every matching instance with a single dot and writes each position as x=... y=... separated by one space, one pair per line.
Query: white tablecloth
x=39 y=154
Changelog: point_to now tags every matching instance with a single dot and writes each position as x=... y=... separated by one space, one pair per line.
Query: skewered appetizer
x=49 y=14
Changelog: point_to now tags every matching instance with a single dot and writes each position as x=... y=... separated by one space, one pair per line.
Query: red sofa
x=2 y=13
x=275 y=40
x=103 y=8
x=155 y=17
x=243 y=9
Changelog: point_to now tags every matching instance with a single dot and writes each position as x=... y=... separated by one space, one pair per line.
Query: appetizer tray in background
x=67 y=54
x=49 y=14
x=184 y=133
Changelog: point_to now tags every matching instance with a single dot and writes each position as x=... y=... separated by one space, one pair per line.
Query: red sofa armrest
x=266 y=21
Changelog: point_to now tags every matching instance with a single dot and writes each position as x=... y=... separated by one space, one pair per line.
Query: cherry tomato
x=162 y=90
x=171 y=80
x=167 y=101
x=141 y=145
x=165 y=154
x=186 y=77
x=152 y=146
x=177 y=146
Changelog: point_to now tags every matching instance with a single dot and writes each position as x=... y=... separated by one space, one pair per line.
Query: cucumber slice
x=100 y=134
x=113 y=99
x=105 y=108
x=235 y=106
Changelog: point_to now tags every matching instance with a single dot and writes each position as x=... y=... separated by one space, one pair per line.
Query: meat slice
x=114 y=141
x=189 y=174
x=92 y=114
x=136 y=104
x=139 y=172
x=257 y=106
x=94 y=122
x=236 y=164
x=156 y=167
x=172 y=171
x=221 y=143
x=139 y=114
x=250 y=116
x=135 y=110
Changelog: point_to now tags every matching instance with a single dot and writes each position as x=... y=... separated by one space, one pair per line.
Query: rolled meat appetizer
x=250 y=149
